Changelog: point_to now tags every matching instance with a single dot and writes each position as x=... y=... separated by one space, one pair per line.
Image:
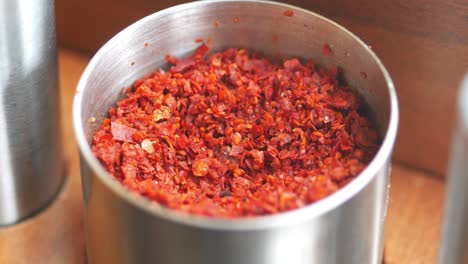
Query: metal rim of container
x=285 y=218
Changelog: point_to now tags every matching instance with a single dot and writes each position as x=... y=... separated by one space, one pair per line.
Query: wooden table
x=56 y=235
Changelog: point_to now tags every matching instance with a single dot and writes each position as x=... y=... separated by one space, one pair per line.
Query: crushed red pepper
x=234 y=135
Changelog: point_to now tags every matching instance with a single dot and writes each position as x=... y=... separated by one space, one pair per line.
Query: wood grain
x=423 y=43
x=56 y=235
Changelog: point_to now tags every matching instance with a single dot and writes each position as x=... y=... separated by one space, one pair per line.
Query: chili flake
x=288 y=13
x=326 y=50
x=234 y=135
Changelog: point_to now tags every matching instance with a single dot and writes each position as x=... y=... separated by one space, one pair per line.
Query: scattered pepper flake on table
x=233 y=135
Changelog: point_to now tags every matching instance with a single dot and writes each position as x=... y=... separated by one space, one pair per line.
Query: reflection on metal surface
x=31 y=164
x=454 y=243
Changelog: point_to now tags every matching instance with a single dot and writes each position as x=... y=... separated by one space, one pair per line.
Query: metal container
x=454 y=245
x=123 y=227
x=31 y=166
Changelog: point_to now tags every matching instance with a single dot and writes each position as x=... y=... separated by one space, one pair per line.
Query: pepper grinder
x=454 y=245
x=31 y=165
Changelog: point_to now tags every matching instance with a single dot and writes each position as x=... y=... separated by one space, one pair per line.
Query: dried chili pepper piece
x=122 y=132
x=326 y=50
x=200 y=167
x=184 y=63
x=288 y=13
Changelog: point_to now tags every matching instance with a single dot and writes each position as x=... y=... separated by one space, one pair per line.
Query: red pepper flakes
x=236 y=20
x=217 y=23
x=198 y=40
x=288 y=13
x=326 y=50
x=146 y=44
x=233 y=135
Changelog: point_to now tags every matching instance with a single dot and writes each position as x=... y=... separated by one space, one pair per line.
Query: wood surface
x=56 y=235
x=412 y=230
x=423 y=43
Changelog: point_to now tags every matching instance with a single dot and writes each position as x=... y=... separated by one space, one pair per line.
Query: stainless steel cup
x=31 y=165
x=123 y=227
x=454 y=244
